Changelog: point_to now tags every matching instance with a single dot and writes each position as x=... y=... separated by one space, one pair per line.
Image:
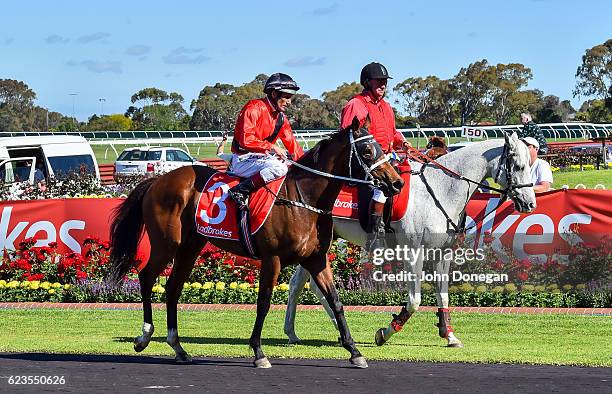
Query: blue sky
x=112 y=49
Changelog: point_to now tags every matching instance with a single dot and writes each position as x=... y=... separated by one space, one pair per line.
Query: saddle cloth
x=216 y=213
x=347 y=202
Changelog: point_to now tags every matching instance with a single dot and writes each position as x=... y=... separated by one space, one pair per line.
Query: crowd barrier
x=562 y=218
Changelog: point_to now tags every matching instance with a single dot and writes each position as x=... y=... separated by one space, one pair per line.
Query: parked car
x=147 y=161
x=33 y=158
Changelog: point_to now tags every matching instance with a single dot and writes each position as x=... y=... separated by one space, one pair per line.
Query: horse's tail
x=126 y=231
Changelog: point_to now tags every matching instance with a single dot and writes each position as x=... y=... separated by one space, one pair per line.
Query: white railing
x=552 y=131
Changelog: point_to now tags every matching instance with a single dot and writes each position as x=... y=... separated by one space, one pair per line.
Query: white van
x=32 y=158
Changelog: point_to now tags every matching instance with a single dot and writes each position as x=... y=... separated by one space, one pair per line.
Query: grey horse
x=436 y=205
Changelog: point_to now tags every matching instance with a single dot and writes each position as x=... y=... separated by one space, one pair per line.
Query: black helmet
x=282 y=83
x=373 y=71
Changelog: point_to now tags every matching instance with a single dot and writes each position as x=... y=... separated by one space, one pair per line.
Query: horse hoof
x=455 y=344
x=359 y=362
x=139 y=346
x=294 y=340
x=379 y=338
x=183 y=358
x=262 y=363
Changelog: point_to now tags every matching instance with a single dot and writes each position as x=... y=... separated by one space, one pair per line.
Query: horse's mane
x=311 y=157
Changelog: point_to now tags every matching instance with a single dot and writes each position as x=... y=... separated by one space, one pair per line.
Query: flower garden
x=41 y=274
x=32 y=273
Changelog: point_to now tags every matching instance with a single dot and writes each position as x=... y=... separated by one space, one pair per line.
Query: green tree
x=336 y=99
x=115 y=122
x=554 y=110
x=155 y=109
x=429 y=101
x=504 y=81
x=307 y=113
x=525 y=101
x=594 y=111
x=17 y=110
x=472 y=84
x=16 y=94
x=217 y=107
x=594 y=75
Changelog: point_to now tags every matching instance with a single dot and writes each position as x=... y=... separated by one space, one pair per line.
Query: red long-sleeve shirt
x=256 y=122
x=382 y=120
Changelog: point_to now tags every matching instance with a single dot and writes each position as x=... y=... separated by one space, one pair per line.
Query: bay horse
x=298 y=230
x=436 y=204
x=436 y=147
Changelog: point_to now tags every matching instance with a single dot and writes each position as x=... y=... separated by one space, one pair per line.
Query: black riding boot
x=376 y=233
x=241 y=192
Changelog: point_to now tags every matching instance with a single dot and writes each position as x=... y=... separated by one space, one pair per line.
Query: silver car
x=147 y=161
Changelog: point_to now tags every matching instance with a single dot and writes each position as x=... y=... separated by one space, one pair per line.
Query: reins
x=368 y=180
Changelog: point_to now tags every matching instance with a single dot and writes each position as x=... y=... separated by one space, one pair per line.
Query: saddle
x=353 y=202
x=217 y=214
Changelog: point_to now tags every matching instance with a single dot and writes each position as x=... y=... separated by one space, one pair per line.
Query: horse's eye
x=368 y=152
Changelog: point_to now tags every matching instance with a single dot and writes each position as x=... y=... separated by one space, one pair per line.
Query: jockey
x=371 y=102
x=260 y=123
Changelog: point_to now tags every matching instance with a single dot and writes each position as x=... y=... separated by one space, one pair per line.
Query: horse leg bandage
x=397 y=324
x=444 y=326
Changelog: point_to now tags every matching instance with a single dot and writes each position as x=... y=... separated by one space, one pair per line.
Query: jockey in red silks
x=371 y=103
x=260 y=124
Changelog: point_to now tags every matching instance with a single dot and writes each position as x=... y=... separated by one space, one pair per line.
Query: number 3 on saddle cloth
x=217 y=214
x=353 y=202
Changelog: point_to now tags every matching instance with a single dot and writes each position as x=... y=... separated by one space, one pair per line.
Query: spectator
x=221 y=148
x=530 y=129
x=541 y=175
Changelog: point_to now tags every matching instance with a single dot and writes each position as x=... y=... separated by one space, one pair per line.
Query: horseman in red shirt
x=260 y=124
x=371 y=103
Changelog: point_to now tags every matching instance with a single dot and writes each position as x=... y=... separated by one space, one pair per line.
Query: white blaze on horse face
x=520 y=174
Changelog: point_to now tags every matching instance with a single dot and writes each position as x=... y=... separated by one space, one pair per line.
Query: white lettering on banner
x=520 y=237
x=219 y=201
x=65 y=233
x=345 y=204
x=45 y=226
x=8 y=238
x=565 y=231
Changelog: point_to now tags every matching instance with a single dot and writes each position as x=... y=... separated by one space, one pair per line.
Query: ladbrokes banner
x=562 y=218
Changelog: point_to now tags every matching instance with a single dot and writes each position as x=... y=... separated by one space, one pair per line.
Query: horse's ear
x=366 y=122
x=506 y=138
x=512 y=140
x=355 y=124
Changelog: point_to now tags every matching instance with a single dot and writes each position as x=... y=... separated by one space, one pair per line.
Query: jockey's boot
x=376 y=228
x=241 y=192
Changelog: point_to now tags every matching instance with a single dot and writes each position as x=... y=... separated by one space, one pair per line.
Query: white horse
x=436 y=205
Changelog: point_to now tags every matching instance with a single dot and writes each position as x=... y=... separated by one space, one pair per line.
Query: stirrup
x=240 y=197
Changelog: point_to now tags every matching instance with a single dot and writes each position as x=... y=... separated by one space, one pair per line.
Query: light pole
x=73 y=106
x=101 y=100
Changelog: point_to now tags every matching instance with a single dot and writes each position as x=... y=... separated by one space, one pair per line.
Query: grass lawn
x=589 y=178
x=533 y=339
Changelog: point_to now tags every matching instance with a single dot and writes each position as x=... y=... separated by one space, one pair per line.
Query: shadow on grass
x=233 y=341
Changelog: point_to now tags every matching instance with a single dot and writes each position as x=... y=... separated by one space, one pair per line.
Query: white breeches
x=249 y=164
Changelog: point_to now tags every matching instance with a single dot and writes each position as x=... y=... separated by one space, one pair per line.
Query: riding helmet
x=282 y=83
x=373 y=70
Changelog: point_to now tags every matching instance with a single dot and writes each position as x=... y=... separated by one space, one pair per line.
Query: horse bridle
x=510 y=189
x=379 y=159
